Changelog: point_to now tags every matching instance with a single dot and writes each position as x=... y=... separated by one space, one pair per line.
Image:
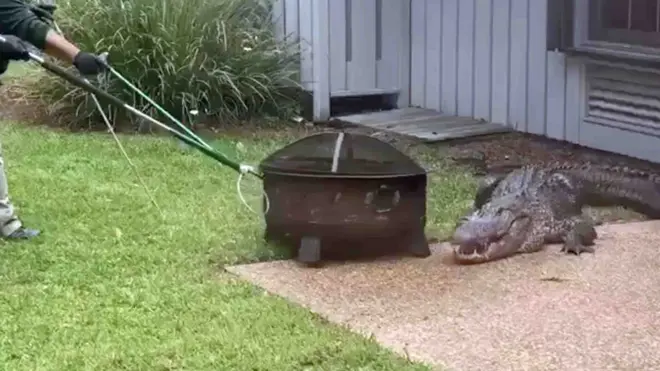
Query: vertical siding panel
x=449 y=56
x=482 y=58
x=279 y=14
x=556 y=103
x=536 y=83
x=404 y=64
x=574 y=97
x=391 y=27
x=291 y=20
x=418 y=50
x=518 y=67
x=500 y=69
x=362 y=68
x=305 y=31
x=292 y=28
x=466 y=14
x=321 y=67
x=337 y=45
x=433 y=50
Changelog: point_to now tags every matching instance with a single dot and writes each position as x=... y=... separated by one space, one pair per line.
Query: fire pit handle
x=384 y=199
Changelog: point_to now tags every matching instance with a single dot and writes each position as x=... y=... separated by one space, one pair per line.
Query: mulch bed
x=515 y=149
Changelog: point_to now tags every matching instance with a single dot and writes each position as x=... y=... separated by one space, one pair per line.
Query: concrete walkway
x=543 y=311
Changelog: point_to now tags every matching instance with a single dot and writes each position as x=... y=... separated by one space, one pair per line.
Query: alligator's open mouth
x=471 y=249
x=476 y=249
x=476 y=252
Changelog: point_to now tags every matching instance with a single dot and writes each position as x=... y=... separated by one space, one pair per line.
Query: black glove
x=44 y=11
x=13 y=48
x=89 y=64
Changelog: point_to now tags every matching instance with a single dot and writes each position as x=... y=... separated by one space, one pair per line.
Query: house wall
x=622 y=113
x=480 y=58
x=361 y=44
x=488 y=59
x=465 y=57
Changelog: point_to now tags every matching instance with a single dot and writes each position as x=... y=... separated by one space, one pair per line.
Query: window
x=632 y=22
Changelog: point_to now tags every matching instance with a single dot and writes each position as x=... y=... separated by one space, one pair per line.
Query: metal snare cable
x=106 y=120
x=138 y=91
x=241 y=168
x=244 y=201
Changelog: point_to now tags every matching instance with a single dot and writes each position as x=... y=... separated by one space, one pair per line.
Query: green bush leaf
x=220 y=57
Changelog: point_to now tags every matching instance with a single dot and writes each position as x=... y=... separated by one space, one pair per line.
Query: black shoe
x=23 y=234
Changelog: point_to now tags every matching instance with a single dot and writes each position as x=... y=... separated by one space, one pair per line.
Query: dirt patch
x=493 y=153
x=16 y=107
x=515 y=149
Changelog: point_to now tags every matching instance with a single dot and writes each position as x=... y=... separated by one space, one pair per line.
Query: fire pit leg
x=419 y=245
x=309 y=251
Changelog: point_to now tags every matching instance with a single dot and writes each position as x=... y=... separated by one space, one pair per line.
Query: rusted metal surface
x=346 y=216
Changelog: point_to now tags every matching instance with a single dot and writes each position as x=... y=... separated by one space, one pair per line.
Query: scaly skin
x=597 y=186
x=533 y=205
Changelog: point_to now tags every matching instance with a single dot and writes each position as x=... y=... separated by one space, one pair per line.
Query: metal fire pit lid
x=339 y=154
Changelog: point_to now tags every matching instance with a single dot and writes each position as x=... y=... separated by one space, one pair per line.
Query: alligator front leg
x=580 y=237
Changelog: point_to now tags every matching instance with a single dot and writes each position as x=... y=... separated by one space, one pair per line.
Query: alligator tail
x=634 y=189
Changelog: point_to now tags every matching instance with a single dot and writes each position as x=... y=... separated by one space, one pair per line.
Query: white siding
x=493 y=64
x=361 y=43
x=487 y=59
x=481 y=58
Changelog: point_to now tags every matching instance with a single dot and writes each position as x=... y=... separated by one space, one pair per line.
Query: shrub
x=216 y=56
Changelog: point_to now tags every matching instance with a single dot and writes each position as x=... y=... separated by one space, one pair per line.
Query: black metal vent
x=628 y=101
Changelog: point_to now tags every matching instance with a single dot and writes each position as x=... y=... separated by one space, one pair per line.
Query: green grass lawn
x=113 y=285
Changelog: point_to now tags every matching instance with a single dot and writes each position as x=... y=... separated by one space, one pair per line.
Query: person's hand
x=89 y=64
x=44 y=11
x=13 y=48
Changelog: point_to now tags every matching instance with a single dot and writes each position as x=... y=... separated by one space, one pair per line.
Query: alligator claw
x=577 y=248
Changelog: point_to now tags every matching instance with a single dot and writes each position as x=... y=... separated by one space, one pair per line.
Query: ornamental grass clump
x=220 y=57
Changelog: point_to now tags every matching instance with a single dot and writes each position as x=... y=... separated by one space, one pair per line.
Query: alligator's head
x=494 y=231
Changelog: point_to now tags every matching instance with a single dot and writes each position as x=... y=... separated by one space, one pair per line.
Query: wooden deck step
x=424 y=124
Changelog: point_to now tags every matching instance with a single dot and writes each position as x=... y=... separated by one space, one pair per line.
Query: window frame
x=620 y=49
x=631 y=38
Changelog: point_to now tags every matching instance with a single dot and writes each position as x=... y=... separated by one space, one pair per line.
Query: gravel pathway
x=543 y=311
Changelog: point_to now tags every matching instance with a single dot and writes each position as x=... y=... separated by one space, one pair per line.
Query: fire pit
x=345 y=196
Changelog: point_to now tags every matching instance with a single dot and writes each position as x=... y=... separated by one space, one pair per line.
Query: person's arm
x=17 y=19
x=59 y=47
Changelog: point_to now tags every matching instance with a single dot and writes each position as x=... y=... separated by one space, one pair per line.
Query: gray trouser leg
x=9 y=223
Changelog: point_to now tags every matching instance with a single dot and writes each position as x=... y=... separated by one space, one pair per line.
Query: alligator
x=523 y=210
